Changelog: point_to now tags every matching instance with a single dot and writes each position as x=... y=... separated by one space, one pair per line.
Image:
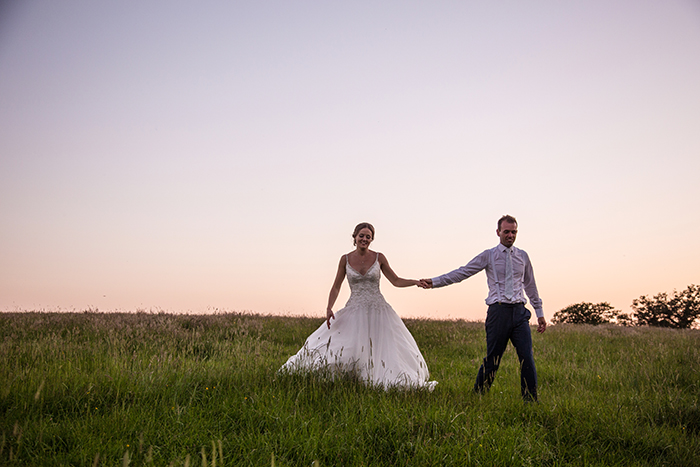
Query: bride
x=366 y=337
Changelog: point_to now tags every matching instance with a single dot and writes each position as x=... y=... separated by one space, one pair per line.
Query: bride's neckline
x=376 y=258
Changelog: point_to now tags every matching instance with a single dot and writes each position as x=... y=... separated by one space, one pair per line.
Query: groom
x=508 y=273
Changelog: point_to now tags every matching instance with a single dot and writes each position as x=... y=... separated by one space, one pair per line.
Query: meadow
x=115 y=389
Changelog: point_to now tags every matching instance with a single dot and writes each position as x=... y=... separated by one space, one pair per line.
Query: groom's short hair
x=506 y=218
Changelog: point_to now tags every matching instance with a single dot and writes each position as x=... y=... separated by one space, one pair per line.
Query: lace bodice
x=364 y=287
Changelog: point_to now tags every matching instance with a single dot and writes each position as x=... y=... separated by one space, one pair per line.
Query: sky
x=215 y=156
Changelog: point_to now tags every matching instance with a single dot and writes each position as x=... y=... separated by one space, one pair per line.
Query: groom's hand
x=426 y=283
x=541 y=325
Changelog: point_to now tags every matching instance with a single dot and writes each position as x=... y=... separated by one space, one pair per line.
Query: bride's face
x=363 y=238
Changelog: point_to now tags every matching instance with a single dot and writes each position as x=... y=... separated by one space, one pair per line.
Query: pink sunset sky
x=200 y=156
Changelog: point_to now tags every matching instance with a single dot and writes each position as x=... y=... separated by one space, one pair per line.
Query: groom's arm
x=458 y=275
x=531 y=290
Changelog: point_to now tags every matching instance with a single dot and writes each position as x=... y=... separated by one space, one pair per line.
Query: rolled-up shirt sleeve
x=458 y=275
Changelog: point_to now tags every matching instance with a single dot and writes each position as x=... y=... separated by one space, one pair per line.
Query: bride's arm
x=389 y=273
x=335 y=290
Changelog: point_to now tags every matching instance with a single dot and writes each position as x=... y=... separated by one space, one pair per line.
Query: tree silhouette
x=681 y=310
x=588 y=313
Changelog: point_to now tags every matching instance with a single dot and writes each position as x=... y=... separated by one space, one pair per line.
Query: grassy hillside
x=161 y=389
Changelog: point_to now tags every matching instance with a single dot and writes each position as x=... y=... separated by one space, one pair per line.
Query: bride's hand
x=329 y=315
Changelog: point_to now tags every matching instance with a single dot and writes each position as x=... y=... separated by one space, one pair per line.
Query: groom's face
x=507 y=233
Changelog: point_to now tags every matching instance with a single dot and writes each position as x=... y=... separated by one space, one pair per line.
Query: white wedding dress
x=367 y=337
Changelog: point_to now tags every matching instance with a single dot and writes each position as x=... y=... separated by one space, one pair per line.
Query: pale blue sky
x=216 y=155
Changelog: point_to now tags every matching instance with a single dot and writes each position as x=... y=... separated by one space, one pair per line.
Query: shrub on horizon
x=590 y=313
x=680 y=311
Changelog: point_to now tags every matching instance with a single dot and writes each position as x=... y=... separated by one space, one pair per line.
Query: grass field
x=162 y=389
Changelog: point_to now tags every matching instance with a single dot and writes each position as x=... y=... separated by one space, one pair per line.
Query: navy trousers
x=508 y=322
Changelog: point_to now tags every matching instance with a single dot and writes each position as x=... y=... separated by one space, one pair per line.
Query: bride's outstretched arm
x=335 y=290
x=389 y=273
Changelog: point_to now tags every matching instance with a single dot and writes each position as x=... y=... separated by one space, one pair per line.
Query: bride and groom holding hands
x=369 y=338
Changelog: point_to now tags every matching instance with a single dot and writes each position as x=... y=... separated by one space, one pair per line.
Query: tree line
x=680 y=310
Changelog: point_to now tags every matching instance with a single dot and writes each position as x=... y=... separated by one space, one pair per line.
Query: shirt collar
x=502 y=248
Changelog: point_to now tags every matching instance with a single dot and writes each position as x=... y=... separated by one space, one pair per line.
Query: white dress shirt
x=494 y=261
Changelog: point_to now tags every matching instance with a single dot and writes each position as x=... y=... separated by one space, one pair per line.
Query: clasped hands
x=425 y=284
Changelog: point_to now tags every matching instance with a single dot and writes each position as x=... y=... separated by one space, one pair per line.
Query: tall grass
x=164 y=389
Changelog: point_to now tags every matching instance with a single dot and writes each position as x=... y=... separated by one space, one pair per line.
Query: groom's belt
x=508 y=304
